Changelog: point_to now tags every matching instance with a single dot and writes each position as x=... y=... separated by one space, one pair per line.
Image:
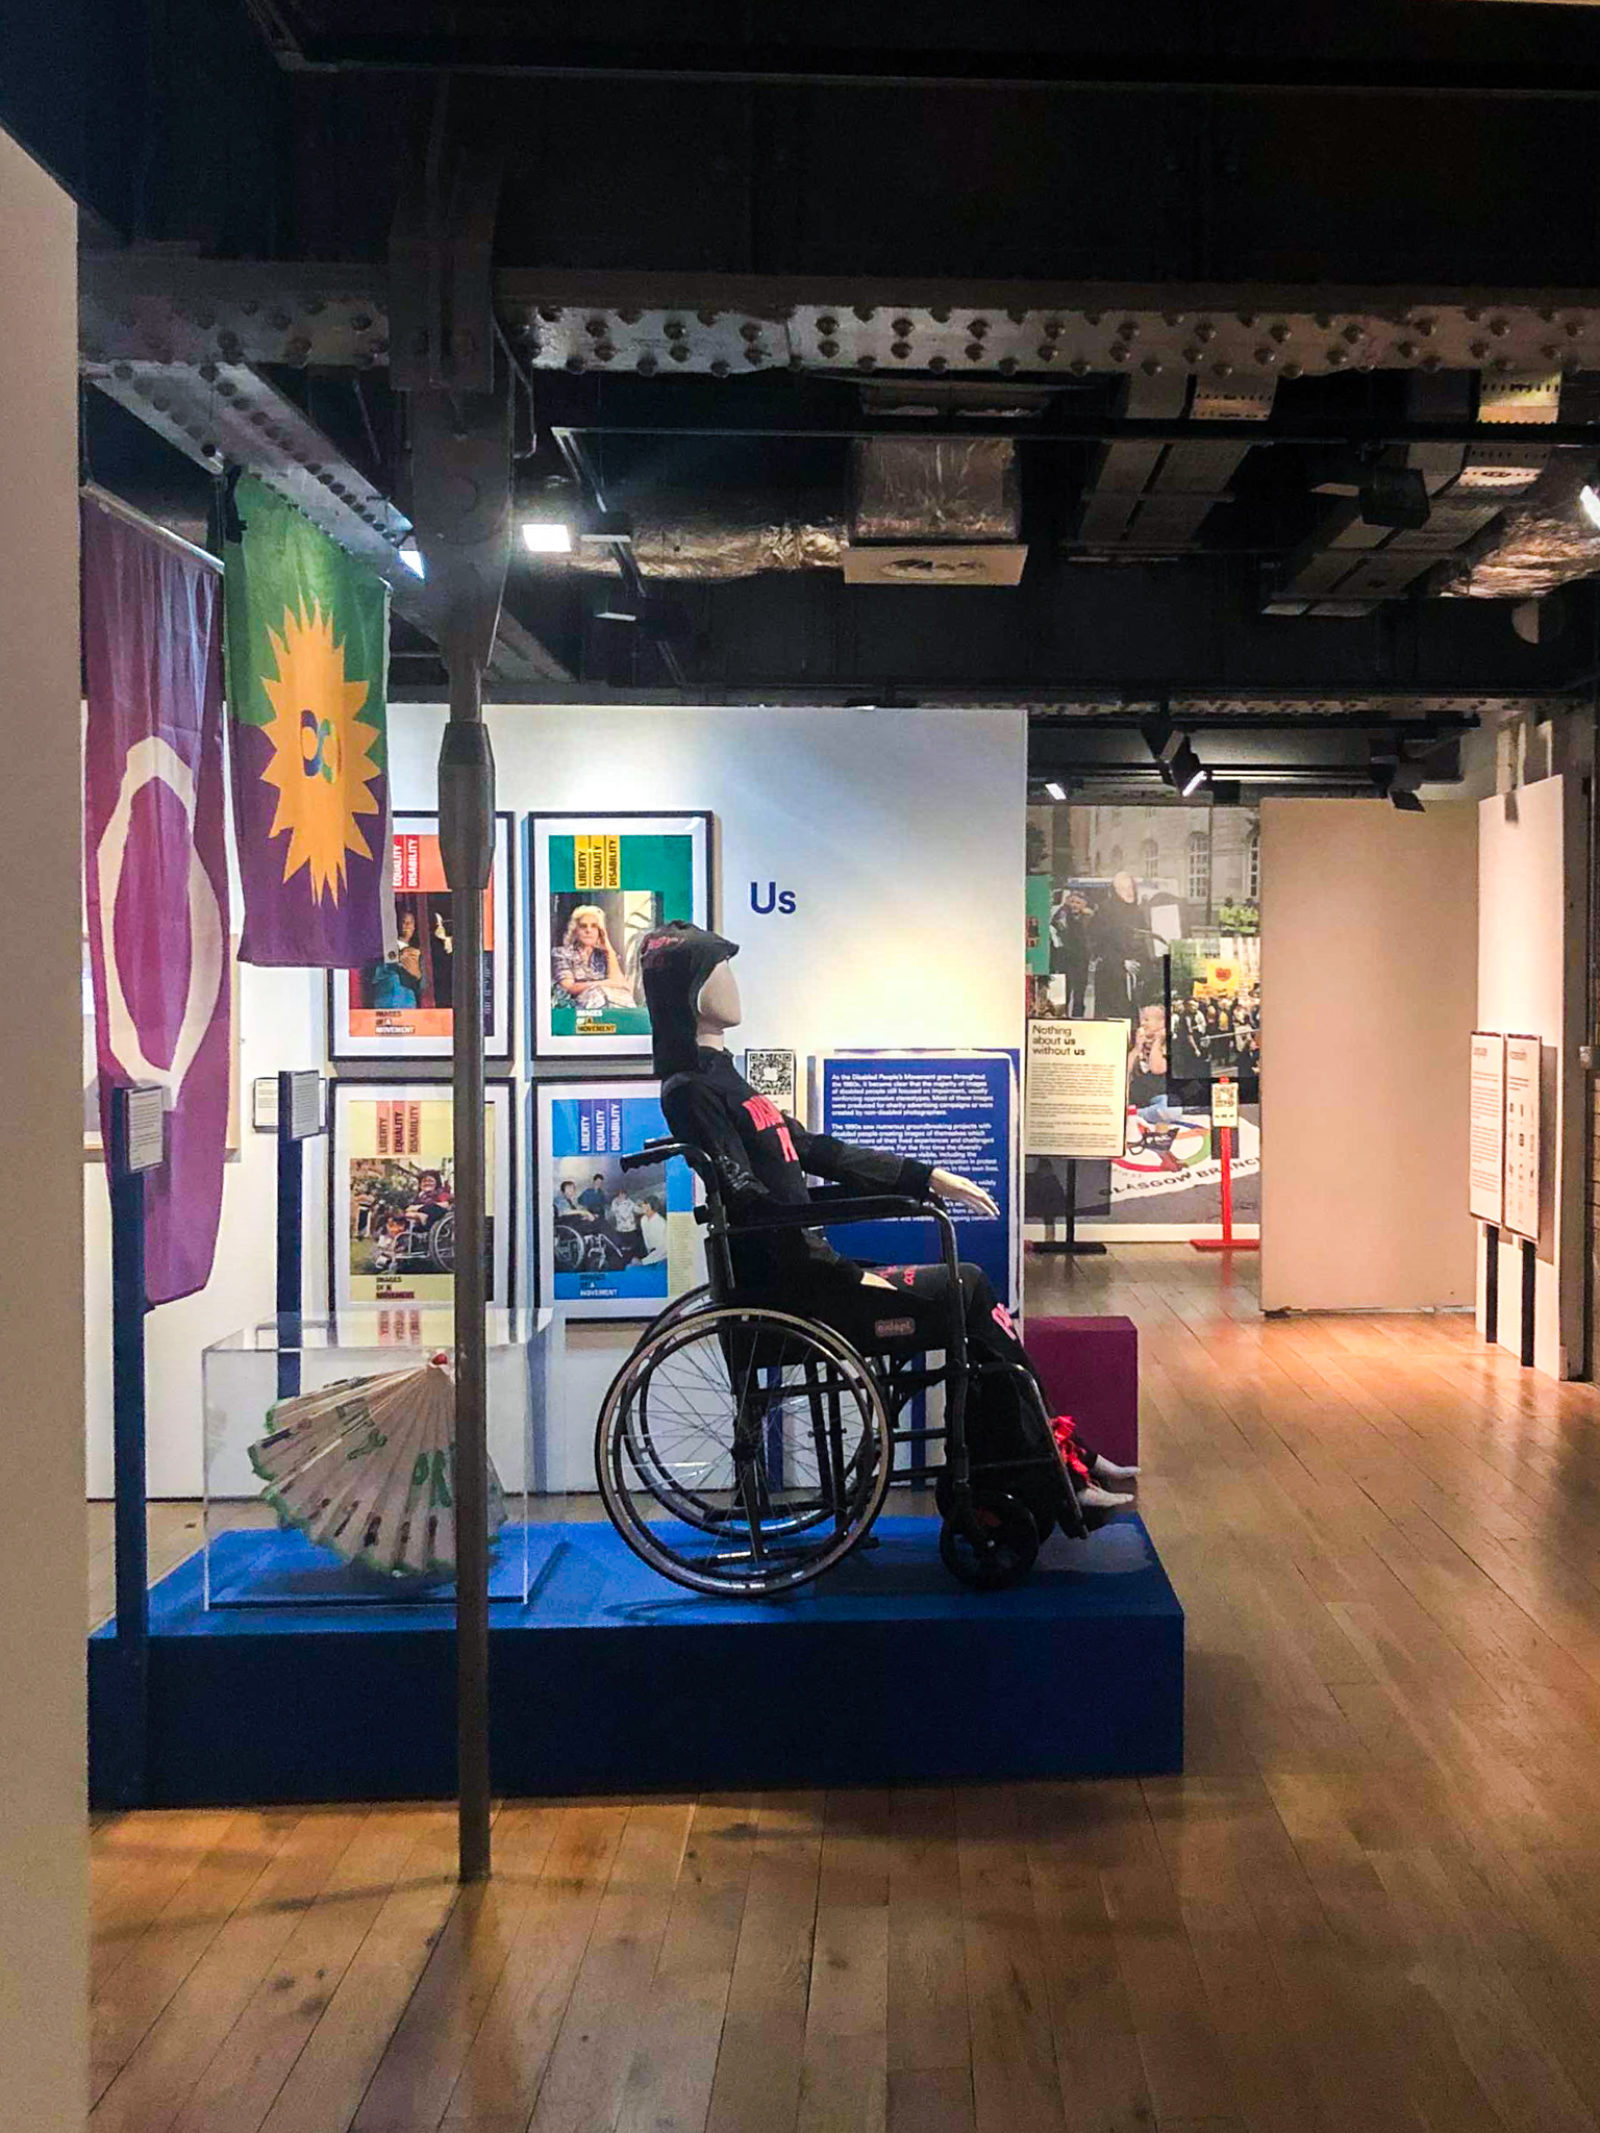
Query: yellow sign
x=596 y=863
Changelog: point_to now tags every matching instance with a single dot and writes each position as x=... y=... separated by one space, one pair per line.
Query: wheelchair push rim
x=769 y=1429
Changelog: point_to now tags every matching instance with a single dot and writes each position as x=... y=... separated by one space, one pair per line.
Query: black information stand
x=301 y=1117
x=1071 y=1244
x=1530 y=1296
x=1491 y=1282
x=137 y=1129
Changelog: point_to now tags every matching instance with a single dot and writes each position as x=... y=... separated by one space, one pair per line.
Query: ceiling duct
x=1352 y=562
x=734 y=535
x=1542 y=542
x=935 y=511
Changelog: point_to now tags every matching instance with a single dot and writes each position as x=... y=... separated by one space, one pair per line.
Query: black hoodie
x=762 y=1155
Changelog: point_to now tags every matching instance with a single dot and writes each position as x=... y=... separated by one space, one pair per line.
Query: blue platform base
x=884 y=1672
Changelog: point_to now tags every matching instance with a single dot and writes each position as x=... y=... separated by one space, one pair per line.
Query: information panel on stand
x=955 y=1110
x=1486 y=1146
x=1522 y=1137
x=1076 y=1089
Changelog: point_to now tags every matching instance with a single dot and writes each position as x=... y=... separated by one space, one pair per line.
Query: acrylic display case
x=348 y=1498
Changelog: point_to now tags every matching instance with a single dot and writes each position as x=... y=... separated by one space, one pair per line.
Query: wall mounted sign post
x=1224 y=1124
x=1075 y=1096
x=137 y=1147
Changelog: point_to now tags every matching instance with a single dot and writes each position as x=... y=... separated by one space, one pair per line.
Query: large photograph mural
x=1152 y=914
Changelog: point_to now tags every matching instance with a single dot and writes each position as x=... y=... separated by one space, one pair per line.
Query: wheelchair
x=743 y=1449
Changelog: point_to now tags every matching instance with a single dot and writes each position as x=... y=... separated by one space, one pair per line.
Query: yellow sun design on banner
x=320 y=761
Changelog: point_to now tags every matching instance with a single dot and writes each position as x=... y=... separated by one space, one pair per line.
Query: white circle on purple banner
x=155 y=761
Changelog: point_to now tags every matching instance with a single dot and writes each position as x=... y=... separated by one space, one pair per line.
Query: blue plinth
x=884 y=1672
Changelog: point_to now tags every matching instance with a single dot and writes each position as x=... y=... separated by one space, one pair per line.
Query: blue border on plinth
x=611 y=1680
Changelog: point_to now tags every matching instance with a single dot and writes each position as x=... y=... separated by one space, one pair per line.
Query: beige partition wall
x=1369 y=952
x=1530 y=984
x=42 y=1574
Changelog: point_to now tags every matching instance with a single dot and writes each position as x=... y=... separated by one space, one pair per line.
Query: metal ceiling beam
x=157 y=306
x=416 y=49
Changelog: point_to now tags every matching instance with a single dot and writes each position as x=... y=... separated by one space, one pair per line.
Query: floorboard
x=1373 y=1898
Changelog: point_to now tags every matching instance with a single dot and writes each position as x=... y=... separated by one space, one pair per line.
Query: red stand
x=1227 y=1242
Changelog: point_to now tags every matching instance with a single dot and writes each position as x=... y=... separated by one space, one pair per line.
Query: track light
x=1056 y=792
x=1189 y=773
x=1175 y=758
x=1394 y=496
x=411 y=556
x=546 y=536
x=1589 y=500
x=1407 y=802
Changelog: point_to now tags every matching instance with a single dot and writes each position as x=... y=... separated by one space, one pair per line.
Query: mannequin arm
x=962 y=1190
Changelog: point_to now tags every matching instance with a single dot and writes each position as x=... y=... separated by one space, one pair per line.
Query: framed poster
x=955 y=1110
x=610 y=1244
x=597 y=885
x=400 y=1007
x=391 y=1193
x=1522 y=1138
x=1486 y=1143
x=1075 y=1089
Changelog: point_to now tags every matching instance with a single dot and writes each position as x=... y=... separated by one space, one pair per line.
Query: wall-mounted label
x=1224 y=1103
x=146 y=1116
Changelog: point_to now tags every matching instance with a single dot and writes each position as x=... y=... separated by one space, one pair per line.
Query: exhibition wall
x=43 y=1874
x=1369 y=976
x=868 y=862
x=897 y=834
x=1530 y=984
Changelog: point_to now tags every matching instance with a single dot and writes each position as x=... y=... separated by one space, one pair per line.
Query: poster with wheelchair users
x=610 y=1243
x=391 y=1162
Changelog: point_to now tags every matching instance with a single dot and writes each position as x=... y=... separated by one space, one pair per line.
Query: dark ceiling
x=1195 y=273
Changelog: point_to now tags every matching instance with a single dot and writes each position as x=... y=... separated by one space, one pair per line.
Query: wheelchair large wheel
x=442 y=1244
x=743 y=1452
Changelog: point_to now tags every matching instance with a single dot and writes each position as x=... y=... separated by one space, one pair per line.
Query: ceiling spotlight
x=1407 y=802
x=1188 y=772
x=1056 y=792
x=411 y=556
x=1175 y=758
x=546 y=536
x=1589 y=500
x=1394 y=496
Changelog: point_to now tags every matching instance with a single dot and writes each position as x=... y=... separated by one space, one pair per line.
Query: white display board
x=1076 y=1089
x=1521 y=1203
x=1225 y=1103
x=1487 y=1132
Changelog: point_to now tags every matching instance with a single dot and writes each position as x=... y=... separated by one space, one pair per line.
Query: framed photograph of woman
x=391 y=1193
x=597 y=885
x=609 y=1243
x=402 y=1006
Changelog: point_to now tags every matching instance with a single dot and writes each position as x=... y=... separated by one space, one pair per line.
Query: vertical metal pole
x=466 y=824
x=129 y=1786
x=1226 y=1135
x=1530 y=1299
x=1491 y=1282
x=291 y=1240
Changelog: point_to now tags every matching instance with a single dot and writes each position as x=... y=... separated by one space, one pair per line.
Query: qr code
x=771 y=1074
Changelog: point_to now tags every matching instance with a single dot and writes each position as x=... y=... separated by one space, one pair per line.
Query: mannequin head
x=718 y=1008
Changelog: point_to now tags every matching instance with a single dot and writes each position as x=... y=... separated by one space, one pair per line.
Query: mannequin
x=763 y=1157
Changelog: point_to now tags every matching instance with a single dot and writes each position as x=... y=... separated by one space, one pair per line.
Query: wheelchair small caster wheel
x=995 y=1548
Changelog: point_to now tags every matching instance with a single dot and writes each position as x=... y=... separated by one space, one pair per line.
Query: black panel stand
x=291 y=1211
x=1530 y=1281
x=1491 y=1282
x=1071 y=1244
x=127 y=1733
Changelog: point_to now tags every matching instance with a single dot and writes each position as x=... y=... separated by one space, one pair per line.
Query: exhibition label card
x=1076 y=1093
x=1487 y=1131
x=1522 y=1137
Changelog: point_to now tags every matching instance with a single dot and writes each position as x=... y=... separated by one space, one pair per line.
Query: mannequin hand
x=962 y=1190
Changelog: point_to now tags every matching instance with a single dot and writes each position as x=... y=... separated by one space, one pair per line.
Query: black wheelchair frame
x=987 y=1539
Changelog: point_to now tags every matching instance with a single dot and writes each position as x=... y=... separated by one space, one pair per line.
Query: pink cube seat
x=1090 y=1369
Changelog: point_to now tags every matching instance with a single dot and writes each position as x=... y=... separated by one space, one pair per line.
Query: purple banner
x=156 y=871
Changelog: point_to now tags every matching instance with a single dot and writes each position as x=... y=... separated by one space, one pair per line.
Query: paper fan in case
x=367 y=1467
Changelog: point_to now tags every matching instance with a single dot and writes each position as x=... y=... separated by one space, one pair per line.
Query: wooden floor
x=1372 y=1902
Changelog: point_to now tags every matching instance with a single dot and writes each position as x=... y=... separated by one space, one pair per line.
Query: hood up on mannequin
x=677 y=959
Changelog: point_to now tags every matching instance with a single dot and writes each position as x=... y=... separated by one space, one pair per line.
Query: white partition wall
x=1368 y=988
x=43 y=1956
x=1530 y=984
